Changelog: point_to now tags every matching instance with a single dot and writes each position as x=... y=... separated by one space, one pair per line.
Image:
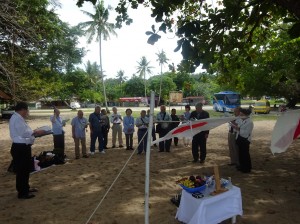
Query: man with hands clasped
x=96 y=123
x=79 y=125
x=142 y=123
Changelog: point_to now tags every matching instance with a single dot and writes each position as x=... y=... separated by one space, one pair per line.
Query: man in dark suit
x=199 y=140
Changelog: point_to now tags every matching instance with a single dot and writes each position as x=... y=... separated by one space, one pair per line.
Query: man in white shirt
x=116 y=120
x=22 y=137
x=244 y=128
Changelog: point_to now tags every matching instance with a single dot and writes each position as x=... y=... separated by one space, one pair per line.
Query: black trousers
x=21 y=154
x=199 y=141
x=105 y=137
x=175 y=141
x=59 y=144
x=142 y=143
x=164 y=145
x=244 y=154
x=153 y=134
x=129 y=140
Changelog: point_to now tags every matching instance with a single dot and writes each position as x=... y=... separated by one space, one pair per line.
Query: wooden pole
x=217 y=178
x=218 y=182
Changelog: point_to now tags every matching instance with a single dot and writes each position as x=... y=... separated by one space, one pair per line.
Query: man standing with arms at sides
x=79 y=125
x=232 y=134
x=199 y=140
x=96 y=130
x=22 y=137
x=162 y=128
x=116 y=120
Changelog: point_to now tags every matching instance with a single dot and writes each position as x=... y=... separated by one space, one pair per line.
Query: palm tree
x=121 y=77
x=162 y=59
x=143 y=68
x=100 y=27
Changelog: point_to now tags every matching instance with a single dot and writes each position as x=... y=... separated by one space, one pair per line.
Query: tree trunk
x=145 y=87
x=160 y=84
x=101 y=70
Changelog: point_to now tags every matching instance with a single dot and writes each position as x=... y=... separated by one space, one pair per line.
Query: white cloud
x=123 y=52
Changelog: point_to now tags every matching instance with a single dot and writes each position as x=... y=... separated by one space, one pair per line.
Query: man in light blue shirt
x=79 y=125
x=58 y=133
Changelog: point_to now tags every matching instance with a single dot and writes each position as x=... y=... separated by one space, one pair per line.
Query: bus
x=226 y=101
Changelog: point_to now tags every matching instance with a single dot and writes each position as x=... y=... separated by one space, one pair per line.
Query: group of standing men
x=99 y=125
x=164 y=126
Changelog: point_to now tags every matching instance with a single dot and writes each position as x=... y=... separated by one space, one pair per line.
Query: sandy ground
x=69 y=193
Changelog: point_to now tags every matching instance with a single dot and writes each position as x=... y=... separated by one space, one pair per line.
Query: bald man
x=79 y=125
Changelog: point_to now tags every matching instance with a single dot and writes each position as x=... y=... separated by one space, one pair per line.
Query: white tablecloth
x=211 y=209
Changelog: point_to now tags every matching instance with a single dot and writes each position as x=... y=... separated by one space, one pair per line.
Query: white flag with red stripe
x=192 y=128
x=286 y=130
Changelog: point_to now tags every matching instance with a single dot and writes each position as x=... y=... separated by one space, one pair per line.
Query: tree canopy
x=223 y=36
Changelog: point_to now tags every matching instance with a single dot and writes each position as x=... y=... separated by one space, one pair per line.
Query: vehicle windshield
x=257 y=104
x=229 y=99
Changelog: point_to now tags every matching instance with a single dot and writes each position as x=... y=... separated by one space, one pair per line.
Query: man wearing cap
x=199 y=140
x=22 y=137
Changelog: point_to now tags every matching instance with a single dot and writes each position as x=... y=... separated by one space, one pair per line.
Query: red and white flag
x=192 y=128
x=286 y=129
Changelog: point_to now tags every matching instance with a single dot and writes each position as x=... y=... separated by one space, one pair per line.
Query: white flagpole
x=147 y=174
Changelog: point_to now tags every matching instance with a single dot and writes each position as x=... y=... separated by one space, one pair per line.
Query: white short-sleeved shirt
x=19 y=130
x=246 y=127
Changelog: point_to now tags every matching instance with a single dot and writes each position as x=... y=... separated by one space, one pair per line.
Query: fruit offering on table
x=192 y=181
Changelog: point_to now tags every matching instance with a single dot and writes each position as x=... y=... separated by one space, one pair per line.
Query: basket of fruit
x=192 y=184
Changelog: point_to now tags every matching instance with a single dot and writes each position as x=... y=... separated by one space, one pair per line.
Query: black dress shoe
x=113 y=146
x=26 y=196
x=202 y=161
x=31 y=190
x=194 y=161
x=161 y=151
